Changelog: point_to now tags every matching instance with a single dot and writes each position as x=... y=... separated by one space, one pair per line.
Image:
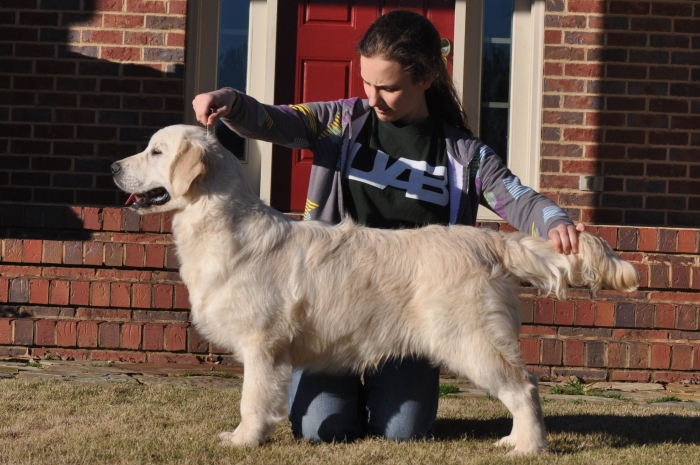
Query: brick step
x=103 y=249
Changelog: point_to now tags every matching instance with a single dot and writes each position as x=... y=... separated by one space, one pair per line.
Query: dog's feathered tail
x=534 y=260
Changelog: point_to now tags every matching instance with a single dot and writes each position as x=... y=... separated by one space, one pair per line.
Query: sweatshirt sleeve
x=294 y=126
x=501 y=191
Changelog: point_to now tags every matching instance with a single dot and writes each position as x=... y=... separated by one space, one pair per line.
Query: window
x=228 y=41
x=495 y=39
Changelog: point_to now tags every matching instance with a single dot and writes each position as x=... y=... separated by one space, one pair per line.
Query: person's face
x=393 y=94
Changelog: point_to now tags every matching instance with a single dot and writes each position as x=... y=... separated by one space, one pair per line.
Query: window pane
x=233 y=62
x=495 y=75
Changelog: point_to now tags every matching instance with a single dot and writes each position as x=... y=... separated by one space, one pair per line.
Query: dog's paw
x=506 y=441
x=236 y=439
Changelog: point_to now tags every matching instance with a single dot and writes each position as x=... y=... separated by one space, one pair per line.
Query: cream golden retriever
x=282 y=294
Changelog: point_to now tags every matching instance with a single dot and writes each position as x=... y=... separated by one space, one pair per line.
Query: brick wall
x=104 y=287
x=650 y=335
x=622 y=99
x=83 y=83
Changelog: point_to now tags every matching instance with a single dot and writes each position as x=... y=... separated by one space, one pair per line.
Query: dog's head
x=159 y=177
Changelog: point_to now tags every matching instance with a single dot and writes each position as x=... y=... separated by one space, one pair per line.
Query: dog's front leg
x=266 y=379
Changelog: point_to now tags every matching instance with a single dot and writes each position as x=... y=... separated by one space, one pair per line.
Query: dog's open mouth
x=157 y=196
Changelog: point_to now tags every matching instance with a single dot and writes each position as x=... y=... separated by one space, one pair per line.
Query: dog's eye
x=156 y=152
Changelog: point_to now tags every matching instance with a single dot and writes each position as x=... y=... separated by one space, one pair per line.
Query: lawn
x=63 y=422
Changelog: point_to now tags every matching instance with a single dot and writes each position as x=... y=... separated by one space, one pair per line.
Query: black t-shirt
x=396 y=175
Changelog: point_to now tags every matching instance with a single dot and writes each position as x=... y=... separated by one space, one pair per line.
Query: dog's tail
x=534 y=260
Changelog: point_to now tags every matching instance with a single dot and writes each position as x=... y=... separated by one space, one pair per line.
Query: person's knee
x=332 y=428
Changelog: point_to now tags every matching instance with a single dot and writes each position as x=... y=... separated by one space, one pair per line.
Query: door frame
x=525 y=122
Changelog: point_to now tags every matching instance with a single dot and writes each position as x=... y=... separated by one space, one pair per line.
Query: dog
x=281 y=293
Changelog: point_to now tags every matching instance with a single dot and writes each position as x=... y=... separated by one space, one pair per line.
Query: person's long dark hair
x=412 y=41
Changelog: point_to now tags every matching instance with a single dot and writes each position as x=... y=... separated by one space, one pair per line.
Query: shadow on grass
x=640 y=430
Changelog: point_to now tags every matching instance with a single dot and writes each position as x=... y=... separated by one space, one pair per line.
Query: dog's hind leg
x=266 y=381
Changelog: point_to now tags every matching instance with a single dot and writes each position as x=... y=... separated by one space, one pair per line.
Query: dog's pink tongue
x=130 y=200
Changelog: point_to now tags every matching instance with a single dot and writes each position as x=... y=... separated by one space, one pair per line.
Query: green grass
x=63 y=422
x=571 y=388
x=447 y=389
x=665 y=399
x=34 y=364
x=216 y=374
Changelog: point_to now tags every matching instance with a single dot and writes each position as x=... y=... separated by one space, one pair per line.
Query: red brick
x=695 y=284
x=175 y=40
x=124 y=21
x=106 y=5
x=686 y=317
x=13 y=251
x=538 y=330
x=99 y=294
x=162 y=296
x=87 y=334
x=585 y=313
x=32 y=251
x=665 y=316
x=609 y=235
x=172 y=358
x=53 y=252
x=552 y=37
x=638 y=355
x=647 y=240
x=585 y=6
x=530 y=350
x=564 y=313
x=91 y=216
x=634 y=376
x=175 y=338
x=168 y=222
x=153 y=336
x=60 y=292
x=93 y=253
x=178 y=7
x=121 y=53
x=544 y=311
x=45 y=332
x=660 y=356
x=617 y=355
x=681 y=357
x=109 y=335
x=5 y=331
x=142 y=295
x=24 y=332
x=658 y=276
x=131 y=336
x=680 y=277
x=142 y=6
x=605 y=314
x=687 y=241
x=120 y=295
x=155 y=255
x=151 y=223
x=4 y=293
x=80 y=293
x=134 y=255
x=112 y=219
x=39 y=291
x=66 y=333
x=106 y=356
x=573 y=353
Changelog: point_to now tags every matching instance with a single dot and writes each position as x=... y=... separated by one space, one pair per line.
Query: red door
x=326 y=66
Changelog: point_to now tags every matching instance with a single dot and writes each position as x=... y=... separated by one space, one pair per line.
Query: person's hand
x=565 y=237
x=211 y=106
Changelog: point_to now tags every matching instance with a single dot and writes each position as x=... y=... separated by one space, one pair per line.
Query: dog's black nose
x=116 y=168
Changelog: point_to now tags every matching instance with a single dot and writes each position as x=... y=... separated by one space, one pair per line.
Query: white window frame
x=202 y=63
x=525 y=116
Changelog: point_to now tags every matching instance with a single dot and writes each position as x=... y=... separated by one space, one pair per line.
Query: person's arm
x=521 y=206
x=296 y=126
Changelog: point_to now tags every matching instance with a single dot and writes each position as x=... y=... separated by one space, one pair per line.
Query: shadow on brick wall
x=67 y=113
x=622 y=101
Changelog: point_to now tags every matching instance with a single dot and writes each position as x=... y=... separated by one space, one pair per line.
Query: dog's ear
x=187 y=166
